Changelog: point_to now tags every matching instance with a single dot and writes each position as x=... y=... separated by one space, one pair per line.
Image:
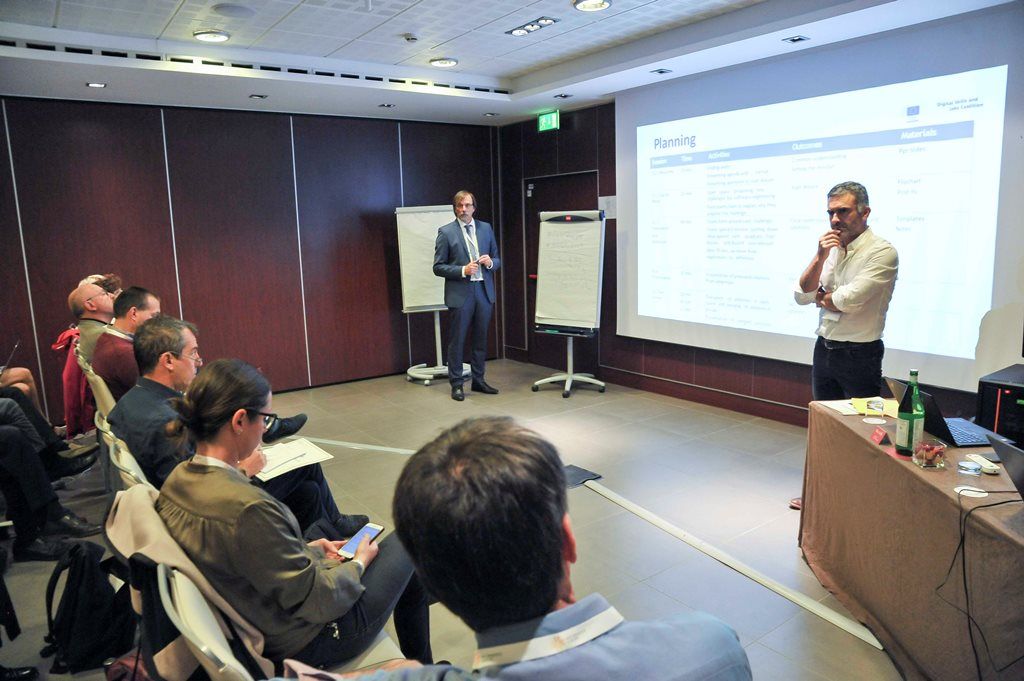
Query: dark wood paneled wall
x=349 y=180
x=754 y=385
x=15 y=313
x=92 y=194
x=234 y=223
x=246 y=232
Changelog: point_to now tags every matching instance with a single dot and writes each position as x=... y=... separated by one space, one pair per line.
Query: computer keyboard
x=964 y=435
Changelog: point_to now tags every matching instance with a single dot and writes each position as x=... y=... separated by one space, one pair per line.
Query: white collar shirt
x=861 y=278
x=471 y=245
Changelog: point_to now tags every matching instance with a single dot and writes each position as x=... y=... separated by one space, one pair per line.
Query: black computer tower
x=1001 y=402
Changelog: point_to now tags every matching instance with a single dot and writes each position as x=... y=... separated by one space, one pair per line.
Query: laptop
x=955 y=430
x=1013 y=462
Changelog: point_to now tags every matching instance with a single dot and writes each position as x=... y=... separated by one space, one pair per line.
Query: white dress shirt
x=861 y=278
x=471 y=246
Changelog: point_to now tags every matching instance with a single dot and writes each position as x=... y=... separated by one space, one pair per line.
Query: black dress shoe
x=457 y=394
x=41 y=549
x=70 y=452
x=348 y=525
x=482 y=387
x=70 y=525
x=66 y=468
x=18 y=673
x=285 y=427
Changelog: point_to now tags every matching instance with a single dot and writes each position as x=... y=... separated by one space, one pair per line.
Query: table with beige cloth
x=880 y=533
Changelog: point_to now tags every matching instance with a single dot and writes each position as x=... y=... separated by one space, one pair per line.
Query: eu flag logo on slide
x=913 y=110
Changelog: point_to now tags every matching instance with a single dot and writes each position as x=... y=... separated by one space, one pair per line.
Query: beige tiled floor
x=722 y=476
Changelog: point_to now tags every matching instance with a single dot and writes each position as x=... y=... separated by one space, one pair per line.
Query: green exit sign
x=547 y=121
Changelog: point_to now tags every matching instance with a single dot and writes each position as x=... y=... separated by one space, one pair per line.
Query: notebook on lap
x=954 y=430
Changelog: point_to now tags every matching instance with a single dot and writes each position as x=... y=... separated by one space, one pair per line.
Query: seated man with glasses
x=92 y=305
x=167 y=353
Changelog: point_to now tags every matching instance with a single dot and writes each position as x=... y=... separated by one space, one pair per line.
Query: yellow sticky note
x=869 y=406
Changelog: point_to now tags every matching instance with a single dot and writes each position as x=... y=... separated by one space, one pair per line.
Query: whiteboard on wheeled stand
x=570 y=259
x=417 y=232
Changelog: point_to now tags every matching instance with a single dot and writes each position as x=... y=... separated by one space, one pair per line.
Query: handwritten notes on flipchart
x=569 y=269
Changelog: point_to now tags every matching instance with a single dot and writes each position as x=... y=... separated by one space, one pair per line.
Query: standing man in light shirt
x=466 y=255
x=850 y=278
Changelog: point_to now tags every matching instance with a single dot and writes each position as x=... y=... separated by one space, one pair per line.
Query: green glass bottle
x=910 y=418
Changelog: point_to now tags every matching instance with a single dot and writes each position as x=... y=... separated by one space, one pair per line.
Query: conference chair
x=104 y=404
x=101 y=393
x=121 y=458
x=200 y=624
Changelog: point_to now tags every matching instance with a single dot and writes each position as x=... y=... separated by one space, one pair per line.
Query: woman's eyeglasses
x=269 y=419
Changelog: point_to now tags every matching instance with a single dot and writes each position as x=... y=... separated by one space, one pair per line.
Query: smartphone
x=368 y=530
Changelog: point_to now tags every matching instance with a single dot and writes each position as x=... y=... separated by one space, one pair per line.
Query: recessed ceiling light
x=531 y=26
x=386 y=106
x=230 y=9
x=591 y=5
x=661 y=72
x=795 y=39
x=96 y=84
x=211 y=35
x=444 y=62
x=562 y=96
x=257 y=96
x=491 y=114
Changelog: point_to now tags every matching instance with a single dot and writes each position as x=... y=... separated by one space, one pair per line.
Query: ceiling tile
x=384 y=53
x=143 y=20
x=299 y=43
x=326 y=21
x=31 y=12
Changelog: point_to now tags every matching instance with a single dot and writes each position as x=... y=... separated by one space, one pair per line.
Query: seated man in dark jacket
x=167 y=353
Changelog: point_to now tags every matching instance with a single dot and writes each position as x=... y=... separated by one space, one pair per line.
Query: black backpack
x=93 y=623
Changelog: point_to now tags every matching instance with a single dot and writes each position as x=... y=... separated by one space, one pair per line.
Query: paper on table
x=869 y=406
x=288 y=456
x=842 y=406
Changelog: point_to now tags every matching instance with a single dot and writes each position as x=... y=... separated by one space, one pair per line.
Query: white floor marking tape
x=805 y=602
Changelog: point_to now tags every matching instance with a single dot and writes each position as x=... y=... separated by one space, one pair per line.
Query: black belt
x=844 y=345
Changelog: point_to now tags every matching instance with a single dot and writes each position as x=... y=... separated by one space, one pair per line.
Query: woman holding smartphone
x=309 y=603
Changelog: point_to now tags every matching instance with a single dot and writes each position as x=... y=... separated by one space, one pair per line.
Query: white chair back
x=120 y=456
x=201 y=626
x=101 y=393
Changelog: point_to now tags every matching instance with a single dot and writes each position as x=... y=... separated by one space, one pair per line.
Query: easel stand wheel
x=422 y=372
x=568 y=377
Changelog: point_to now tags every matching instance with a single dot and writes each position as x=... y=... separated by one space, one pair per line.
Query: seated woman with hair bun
x=308 y=602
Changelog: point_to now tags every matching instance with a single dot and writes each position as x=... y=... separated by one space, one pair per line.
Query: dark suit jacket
x=140 y=418
x=451 y=254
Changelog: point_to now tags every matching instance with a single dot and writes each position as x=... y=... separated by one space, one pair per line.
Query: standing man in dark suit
x=466 y=255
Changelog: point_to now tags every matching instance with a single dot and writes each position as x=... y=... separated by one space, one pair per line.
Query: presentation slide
x=730 y=206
